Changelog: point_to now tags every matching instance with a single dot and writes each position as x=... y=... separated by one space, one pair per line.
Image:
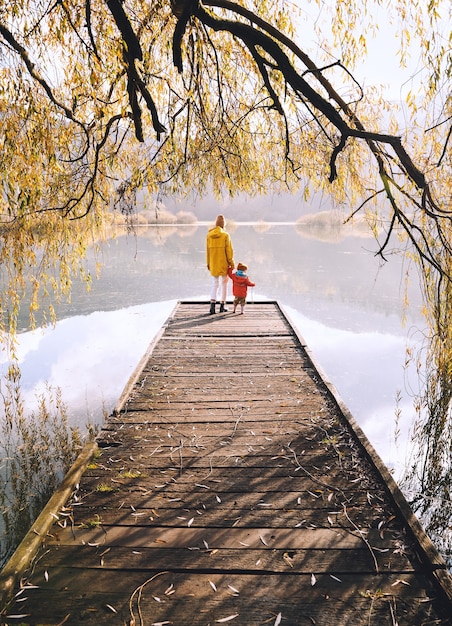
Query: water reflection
x=344 y=302
x=368 y=369
x=89 y=357
x=340 y=283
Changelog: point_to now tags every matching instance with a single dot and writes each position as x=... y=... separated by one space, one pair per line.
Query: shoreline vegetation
x=328 y=225
x=37 y=448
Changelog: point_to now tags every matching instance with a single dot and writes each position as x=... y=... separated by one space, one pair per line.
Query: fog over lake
x=345 y=302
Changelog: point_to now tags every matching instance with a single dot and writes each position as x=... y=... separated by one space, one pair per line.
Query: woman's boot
x=212 y=308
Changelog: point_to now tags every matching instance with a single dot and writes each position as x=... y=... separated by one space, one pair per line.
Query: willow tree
x=100 y=99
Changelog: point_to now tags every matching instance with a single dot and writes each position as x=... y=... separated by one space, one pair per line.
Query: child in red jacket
x=240 y=284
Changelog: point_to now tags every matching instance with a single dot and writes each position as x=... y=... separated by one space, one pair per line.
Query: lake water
x=346 y=304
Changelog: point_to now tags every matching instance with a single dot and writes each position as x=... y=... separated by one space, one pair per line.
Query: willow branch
x=130 y=40
x=443 y=153
x=8 y=36
x=89 y=27
x=20 y=50
x=135 y=84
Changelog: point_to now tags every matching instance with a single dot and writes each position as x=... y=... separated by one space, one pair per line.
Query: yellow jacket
x=220 y=255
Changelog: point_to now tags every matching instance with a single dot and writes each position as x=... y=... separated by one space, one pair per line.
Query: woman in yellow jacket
x=220 y=257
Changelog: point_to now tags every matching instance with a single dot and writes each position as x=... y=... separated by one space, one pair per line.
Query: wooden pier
x=231 y=486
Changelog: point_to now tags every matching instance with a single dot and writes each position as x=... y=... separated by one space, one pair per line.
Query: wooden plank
x=220 y=487
x=134 y=498
x=260 y=515
x=194 y=537
x=183 y=457
x=251 y=599
x=299 y=561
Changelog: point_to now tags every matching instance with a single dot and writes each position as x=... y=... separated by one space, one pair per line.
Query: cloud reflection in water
x=90 y=358
x=369 y=390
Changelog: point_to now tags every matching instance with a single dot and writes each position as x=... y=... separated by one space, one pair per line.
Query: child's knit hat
x=242 y=267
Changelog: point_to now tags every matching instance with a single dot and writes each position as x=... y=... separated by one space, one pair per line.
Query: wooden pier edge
x=26 y=551
x=426 y=549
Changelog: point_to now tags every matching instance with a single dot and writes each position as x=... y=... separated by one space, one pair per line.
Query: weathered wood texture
x=230 y=488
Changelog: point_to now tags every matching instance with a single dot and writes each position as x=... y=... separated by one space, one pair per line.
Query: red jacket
x=240 y=283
